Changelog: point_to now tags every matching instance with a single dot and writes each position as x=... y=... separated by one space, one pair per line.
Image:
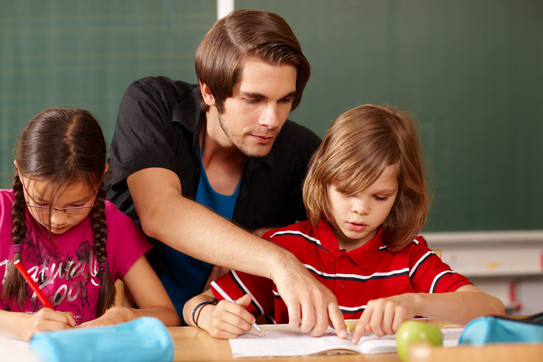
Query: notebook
x=16 y=350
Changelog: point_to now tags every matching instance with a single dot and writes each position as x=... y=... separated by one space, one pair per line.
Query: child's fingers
x=70 y=319
x=234 y=313
x=52 y=315
x=389 y=312
x=224 y=329
x=393 y=314
x=375 y=324
x=49 y=320
x=338 y=322
x=239 y=318
x=230 y=319
x=400 y=316
x=244 y=301
x=361 y=326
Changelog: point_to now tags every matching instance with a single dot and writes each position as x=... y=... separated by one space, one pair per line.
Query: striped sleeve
x=429 y=274
x=236 y=284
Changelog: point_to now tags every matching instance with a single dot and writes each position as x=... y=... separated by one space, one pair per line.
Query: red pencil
x=19 y=265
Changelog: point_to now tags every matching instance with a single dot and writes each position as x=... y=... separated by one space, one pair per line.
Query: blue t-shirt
x=221 y=204
x=184 y=276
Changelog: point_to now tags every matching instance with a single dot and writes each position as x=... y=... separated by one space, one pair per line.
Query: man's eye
x=287 y=100
x=253 y=100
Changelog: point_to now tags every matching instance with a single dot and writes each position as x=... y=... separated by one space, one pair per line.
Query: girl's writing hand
x=46 y=320
x=385 y=315
x=227 y=320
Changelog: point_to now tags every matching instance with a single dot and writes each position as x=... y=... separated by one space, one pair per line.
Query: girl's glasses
x=46 y=209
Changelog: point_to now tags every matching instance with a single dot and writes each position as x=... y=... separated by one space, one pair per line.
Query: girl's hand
x=114 y=315
x=227 y=320
x=385 y=315
x=46 y=320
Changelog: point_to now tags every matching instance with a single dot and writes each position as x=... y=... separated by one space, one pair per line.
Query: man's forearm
x=202 y=234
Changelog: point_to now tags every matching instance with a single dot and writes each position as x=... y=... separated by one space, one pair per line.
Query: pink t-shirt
x=66 y=269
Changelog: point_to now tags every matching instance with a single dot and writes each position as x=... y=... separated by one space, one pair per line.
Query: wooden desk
x=193 y=344
x=525 y=352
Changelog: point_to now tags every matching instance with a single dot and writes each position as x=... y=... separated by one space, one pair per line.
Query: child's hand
x=112 y=316
x=46 y=320
x=227 y=319
x=385 y=315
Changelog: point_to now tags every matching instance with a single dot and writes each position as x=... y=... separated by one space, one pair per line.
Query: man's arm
x=195 y=230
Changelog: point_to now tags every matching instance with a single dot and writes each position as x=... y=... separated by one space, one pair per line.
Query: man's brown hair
x=247 y=33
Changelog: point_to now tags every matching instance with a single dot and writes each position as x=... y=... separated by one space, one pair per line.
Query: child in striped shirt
x=366 y=201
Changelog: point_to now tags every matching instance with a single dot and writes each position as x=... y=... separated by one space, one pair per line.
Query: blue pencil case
x=143 y=339
x=496 y=329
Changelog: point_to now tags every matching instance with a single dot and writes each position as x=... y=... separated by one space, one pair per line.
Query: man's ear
x=206 y=94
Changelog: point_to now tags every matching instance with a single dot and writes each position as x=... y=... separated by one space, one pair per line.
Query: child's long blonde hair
x=359 y=145
x=62 y=146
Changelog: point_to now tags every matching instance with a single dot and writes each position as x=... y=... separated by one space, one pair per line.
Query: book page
x=16 y=350
x=281 y=341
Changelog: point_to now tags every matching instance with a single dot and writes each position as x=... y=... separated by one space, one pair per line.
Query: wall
x=472 y=72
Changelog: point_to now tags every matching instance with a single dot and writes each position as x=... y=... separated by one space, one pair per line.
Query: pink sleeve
x=125 y=242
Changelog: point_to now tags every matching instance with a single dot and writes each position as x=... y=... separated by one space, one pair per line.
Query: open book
x=16 y=350
x=280 y=340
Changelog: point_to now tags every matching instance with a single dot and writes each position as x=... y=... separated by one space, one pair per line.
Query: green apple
x=416 y=331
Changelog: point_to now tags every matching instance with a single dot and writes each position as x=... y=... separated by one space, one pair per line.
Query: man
x=180 y=150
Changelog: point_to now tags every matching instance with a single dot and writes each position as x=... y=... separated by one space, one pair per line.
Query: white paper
x=16 y=350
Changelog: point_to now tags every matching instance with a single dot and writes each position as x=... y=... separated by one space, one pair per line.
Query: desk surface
x=193 y=344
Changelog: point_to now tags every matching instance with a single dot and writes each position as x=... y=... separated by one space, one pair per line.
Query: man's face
x=259 y=106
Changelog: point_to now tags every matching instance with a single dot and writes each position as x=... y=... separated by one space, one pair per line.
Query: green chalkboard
x=86 y=53
x=471 y=71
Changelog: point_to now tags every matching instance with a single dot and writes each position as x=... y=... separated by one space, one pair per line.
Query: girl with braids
x=72 y=241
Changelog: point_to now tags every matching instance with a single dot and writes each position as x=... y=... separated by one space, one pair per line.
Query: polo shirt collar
x=325 y=234
x=363 y=256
